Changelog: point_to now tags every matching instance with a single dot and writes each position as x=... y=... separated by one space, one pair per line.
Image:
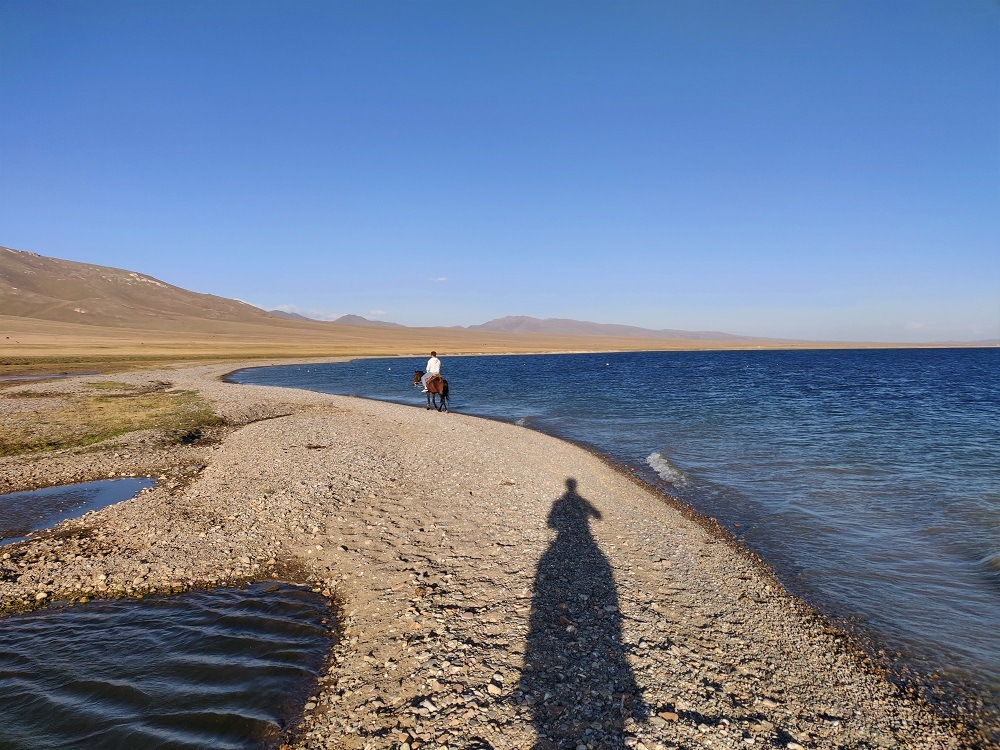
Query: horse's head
x=416 y=377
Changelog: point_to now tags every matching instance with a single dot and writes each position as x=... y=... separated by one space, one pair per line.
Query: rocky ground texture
x=497 y=588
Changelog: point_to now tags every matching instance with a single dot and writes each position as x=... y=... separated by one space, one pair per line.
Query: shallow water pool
x=227 y=668
x=24 y=512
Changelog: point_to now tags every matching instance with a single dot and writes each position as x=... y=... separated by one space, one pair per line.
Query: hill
x=65 y=291
x=344 y=320
x=288 y=315
x=357 y=320
x=563 y=326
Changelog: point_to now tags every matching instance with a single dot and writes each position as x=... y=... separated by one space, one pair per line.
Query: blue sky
x=817 y=169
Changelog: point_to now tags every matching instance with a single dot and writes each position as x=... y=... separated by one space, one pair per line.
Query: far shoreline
x=19 y=360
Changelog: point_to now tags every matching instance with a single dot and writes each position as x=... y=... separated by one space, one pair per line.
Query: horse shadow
x=577 y=680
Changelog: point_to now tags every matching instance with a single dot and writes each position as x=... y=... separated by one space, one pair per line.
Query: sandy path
x=500 y=588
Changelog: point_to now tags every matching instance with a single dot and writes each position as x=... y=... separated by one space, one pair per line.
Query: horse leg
x=429 y=394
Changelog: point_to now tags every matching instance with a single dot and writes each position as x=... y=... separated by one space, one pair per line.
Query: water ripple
x=228 y=668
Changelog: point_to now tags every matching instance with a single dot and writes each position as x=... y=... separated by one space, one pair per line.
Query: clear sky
x=812 y=169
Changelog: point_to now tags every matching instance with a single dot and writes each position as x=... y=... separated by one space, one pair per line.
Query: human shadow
x=576 y=678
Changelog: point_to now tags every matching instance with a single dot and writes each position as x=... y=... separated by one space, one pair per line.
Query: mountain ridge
x=288 y=315
x=67 y=291
x=38 y=287
x=357 y=320
x=527 y=325
x=566 y=326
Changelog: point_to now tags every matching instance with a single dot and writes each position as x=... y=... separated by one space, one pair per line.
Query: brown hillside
x=34 y=286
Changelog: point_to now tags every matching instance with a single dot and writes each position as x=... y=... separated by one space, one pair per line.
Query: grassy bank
x=39 y=420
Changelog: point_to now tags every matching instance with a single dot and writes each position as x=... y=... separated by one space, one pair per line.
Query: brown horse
x=436 y=386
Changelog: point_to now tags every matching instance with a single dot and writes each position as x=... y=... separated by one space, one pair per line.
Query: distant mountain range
x=36 y=286
x=343 y=320
x=563 y=326
x=357 y=320
x=522 y=324
x=289 y=315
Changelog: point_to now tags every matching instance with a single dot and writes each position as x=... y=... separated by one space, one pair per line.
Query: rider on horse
x=434 y=385
x=433 y=370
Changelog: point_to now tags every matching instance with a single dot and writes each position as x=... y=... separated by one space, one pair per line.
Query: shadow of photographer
x=576 y=676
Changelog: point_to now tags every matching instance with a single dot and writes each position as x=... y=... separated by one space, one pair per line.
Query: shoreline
x=16 y=364
x=954 y=698
x=378 y=497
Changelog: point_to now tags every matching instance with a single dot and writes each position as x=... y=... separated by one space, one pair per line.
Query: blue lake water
x=868 y=479
x=227 y=668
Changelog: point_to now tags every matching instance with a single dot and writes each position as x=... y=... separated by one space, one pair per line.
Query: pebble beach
x=495 y=587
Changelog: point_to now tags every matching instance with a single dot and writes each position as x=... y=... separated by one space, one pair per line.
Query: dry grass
x=38 y=346
x=67 y=421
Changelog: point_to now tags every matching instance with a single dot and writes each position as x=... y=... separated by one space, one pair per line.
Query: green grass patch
x=79 y=420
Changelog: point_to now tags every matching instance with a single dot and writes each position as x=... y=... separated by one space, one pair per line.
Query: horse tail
x=444 y=390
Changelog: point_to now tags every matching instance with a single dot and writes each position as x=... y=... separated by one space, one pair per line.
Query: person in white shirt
x=433 y=368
